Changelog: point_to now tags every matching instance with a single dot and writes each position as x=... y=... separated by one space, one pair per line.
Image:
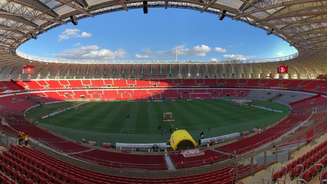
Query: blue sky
x=162 y=34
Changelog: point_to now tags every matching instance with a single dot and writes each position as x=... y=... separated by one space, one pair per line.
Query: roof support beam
x=247 y=4
x=312 y=40
x=306 y=21
x=82 y=3
x=16 y=18
x=37 y=5
x=124 y=5
x=208 y=4
x=4 y=41
x=314 y=37
x=277 y=5
x=298 y=13
x=166 y=3
x=8 y=37
x=4 y=45
x=77 y=6
x=14 y=30
x=318 y=29
x=320 y=48
x=316 y=43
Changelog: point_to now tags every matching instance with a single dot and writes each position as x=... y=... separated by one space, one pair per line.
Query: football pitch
x=142 y=122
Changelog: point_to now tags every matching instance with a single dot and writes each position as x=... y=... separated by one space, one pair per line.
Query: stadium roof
x=300 y=22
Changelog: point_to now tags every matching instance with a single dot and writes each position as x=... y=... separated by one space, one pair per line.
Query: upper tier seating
x=299 y=85
x=21 y=102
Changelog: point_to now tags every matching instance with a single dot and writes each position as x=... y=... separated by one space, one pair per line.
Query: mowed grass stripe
x=228 y=118
x=70 y=118
x=142 y=123
x=86 y=116
x=154 y=116
x=38 y=112
x=184 y=118
x=210 y=116
x=224 y=109
x=99 y=122
x=119 y=118
x=110 y=120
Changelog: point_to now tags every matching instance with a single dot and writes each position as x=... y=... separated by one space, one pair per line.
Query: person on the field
x=20 y=138
x=26 y=140
x=201 y=136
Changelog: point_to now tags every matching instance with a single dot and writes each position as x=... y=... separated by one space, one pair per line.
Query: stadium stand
x=178 y=89
x=303 y=89
x=301 y=68
x=300 y=85
x=26 y=165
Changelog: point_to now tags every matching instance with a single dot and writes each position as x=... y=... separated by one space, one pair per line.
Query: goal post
x=168 y=117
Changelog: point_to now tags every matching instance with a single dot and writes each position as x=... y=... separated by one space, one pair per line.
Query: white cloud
x=147 y=53
x=220 y=49
x=239 y=57
x=91 y=52
x=214 y=60
x=180 y=50
x=282 y=53
x=197 y=50
x=77 y=44
x=73 y=33
x=86 y=35
x=141 y=56
x=200 y=50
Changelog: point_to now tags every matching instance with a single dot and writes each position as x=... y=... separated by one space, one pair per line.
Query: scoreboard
x=28 y=69
x=282 y=69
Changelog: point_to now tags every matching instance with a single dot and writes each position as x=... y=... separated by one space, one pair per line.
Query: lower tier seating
x=254 y=141
x=309 y=164
x=124 y=160
x=208 y=157
x=26 y=165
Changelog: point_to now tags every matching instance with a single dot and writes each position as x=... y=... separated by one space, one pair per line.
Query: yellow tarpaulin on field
x=179 y=136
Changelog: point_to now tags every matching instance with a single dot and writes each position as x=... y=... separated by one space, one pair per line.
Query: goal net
x=168 y=117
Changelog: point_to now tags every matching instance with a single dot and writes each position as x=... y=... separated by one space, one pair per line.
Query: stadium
x=158 y=122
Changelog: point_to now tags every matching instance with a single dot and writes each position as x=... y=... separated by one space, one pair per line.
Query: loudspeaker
x=223 y=14
x=145 y=7
x=74 y=20
x=33 y=35
x=270 y=32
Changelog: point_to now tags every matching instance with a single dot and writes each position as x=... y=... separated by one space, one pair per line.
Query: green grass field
x=141 y=122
